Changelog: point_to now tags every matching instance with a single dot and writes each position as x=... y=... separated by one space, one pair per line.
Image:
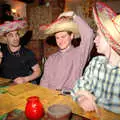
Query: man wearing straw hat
x=17 y=63
x=101 y=80
x=64 y=67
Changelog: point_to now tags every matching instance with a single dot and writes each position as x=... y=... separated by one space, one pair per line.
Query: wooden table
x=4 y=81
x=16 y=98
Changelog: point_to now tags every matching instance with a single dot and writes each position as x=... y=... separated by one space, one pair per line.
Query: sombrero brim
x=21 y=33
x=103 y=16
x=62 y=24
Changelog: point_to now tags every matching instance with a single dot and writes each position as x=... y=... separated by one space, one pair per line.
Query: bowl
x=59 y=112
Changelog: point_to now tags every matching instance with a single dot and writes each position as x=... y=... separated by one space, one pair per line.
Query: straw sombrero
x=109 y=24
x=61 y=24
x=9 y=26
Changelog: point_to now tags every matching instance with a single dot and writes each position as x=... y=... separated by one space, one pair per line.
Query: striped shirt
x=103 y=81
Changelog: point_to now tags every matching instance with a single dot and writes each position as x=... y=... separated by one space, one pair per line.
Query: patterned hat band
x=19 y=25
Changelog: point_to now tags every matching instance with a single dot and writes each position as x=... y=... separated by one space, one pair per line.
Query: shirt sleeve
x=85 y=82
x=32 y=59
x=87 y=36
x=46 y=74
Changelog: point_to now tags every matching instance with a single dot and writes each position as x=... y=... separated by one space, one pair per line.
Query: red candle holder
x=34 y=108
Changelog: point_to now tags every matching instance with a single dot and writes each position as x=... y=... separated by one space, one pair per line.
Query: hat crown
x=61 y=24
x=104 y=8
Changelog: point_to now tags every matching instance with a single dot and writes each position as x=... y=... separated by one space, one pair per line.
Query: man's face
x=101 y=43
x=13 y=39
x=63 y=40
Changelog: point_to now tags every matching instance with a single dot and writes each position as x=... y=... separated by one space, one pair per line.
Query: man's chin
x=62 y=48
x=16 y=45
x=100 y=52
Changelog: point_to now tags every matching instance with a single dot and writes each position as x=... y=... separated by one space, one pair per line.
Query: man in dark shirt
x=17 y=63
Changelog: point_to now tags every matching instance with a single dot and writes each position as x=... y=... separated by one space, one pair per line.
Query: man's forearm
x=31 y=77
x=0 y=60
x=36 y=73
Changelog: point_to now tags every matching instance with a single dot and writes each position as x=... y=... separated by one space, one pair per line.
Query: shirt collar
x=66 y=50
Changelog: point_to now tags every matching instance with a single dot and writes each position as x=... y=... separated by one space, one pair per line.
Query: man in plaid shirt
x=100 y=82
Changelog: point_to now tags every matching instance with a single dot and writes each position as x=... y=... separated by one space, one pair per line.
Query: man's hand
x=86 y=101
x=67 y=14
x=19 y=80
x=87 y=104
x=1 y=54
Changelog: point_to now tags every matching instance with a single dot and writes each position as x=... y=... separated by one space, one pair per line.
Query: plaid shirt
x=103 y=81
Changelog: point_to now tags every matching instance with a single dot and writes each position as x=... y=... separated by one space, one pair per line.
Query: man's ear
x=72 y=36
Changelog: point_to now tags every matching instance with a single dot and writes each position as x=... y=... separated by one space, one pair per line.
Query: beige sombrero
x=9 y=26
x=109 y=24
x=61 y=24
